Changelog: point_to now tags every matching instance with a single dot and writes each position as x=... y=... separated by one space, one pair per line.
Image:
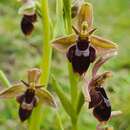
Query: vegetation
x=18 y=53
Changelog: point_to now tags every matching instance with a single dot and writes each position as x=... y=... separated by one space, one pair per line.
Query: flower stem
x=73 y=79
x=47 y=49
x=74 y=126
x=59 y=121
x=35 y=121
x=72 y=76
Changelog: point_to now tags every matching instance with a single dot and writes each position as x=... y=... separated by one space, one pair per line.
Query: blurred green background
x=18 y=53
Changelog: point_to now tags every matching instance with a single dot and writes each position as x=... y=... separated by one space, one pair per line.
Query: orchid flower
x=83 y=47
x=29 y=94
x=96 y=94
x=29 y=16
x=99 y=100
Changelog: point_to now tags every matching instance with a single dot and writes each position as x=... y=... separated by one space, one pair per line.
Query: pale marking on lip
x=27 y=106
x=84 y=52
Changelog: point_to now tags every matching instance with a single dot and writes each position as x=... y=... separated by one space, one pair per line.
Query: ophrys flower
x=83 y=47
x=29 y=94
x=99 y=100
x=29 y=16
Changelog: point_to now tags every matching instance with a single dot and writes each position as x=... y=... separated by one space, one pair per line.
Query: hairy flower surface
x=99 y=100
x=29 y=95
x=83 y=47
x=27 y=23
x=28 y=12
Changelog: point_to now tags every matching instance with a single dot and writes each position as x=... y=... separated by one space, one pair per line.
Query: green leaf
x=38 y=8
x=64 y=99
x=67 y=16
x=3 y=79
x=59 y=26
x=80 y=102
x=73 y=79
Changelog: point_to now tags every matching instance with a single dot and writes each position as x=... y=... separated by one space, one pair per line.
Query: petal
x=63 y=43
x=13 y=91
x=116 y=113
x=102 y=45
x=99 y=80
x=85 y=14
x=34 y=75
x=45 y=97
x=87 y=94
x=101 y=61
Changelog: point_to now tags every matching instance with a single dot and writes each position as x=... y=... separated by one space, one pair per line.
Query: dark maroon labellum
x=31 y=18
x=103 y=111
x=100 y=103
x=27 y=24
x=24 y=114
x=81 y=55
x=27 y=103
x=97 y=96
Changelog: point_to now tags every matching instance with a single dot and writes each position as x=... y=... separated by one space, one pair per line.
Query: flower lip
x=26 y=26
x=84 y=53
x=24 y=114
x=103 y=111
x=31 y=18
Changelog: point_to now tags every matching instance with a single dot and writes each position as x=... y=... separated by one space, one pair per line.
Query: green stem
x=35 y=121
x=73 y=85
x=74 y=126
x=67 y=12
x=73 y=78
x=59 y=121
x=47 y=49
